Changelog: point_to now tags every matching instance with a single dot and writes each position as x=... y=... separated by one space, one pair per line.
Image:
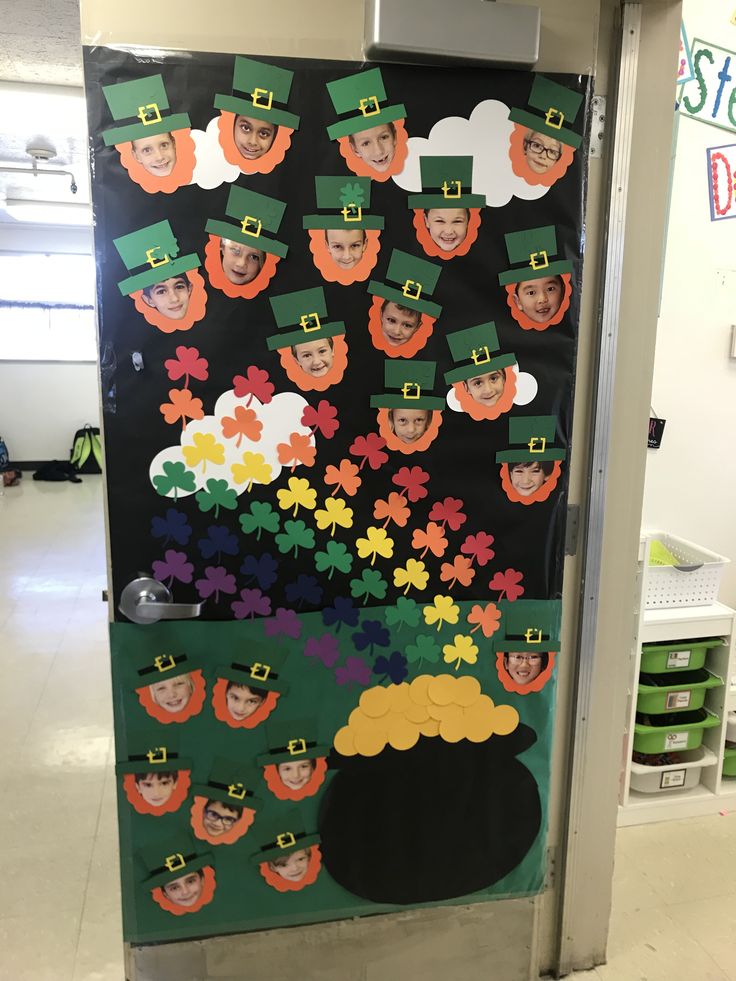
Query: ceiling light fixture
x=49 y=212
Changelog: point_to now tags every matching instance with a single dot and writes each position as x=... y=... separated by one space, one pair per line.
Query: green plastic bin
x=729 y=762
x=684 y=655
x=672 y=730
x=665 y=693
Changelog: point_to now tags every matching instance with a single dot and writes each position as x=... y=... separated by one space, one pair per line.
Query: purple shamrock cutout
x=252 y=603
x=284 y=622
x=216 y=580
x=353 y=670
x=393 y=667
x=219 y=541
x=326 y=648
x=341 y=611
x=174 y=565
x=306 y=589
x=262 y=568
x=173 y=528
x=372 y=633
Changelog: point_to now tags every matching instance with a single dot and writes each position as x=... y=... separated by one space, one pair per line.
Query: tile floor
x=674 y=909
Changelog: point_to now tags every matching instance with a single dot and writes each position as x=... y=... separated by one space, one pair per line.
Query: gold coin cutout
x=344 y=742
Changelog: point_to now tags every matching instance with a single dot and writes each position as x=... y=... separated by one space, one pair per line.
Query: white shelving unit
x=714 y=793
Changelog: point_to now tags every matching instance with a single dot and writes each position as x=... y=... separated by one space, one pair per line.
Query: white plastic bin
x=673 y=776
x=694 y=582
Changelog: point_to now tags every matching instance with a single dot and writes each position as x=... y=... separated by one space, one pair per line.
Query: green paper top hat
x=259 y=666
x=260 y=91
x=254 y=214
x=281 y=835
x=447 y=182
x=144 y=668
x=417 y=279
x=414 y=381
x=152 y=751
x=557 y=108
x=151 y=253
x=290 y=742
x=231 y=783
x=529 y=625
x=360 y=98
x=145 y=101
x=304 y=310
x=534 y=437
x=343 y=203
x=530 y=253
x=175 y=856
x=472 y=350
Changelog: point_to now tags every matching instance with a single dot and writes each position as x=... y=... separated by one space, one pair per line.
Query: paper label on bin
x=679 y=699
x=678 y=659
x=672 y=778
x=675 y=740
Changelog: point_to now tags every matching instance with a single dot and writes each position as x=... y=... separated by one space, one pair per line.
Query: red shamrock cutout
x=508 y=584
x=323 y=418
x=255 y=384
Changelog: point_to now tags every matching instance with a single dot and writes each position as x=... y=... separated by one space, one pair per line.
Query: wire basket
x=695 y=581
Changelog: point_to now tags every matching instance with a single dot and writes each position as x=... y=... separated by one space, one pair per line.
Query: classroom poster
x=338 y=310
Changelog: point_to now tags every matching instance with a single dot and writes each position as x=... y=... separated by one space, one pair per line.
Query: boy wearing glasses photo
x=225 y=806
x=527 y=645
x=541 y=152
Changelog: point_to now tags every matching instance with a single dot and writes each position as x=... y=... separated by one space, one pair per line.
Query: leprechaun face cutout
x=174 y=699
x=176 y=303
x=247 y=689
x=402 y=317
x=155 y=777
x=527 y=644
x=542 y=144
x=539 y=285
x=288 y=858
x=313 y=351
x=484 y=381
x=446 y=212
x=409 y=418
x=344 y=238
x=187 y=893
x=225 y=806
x=295 y=765
x=531 y=468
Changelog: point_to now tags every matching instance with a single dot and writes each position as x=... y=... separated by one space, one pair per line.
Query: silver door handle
x=148 y=600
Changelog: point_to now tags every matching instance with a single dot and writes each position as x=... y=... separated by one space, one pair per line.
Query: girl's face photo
x=156 y=788
x=315 y=357
x=523 y=668
x=173 y=694
x=487 y=388
x=539 y=299
x=218 y=818
x=409 y=424
x=241 y=702
x=375 y=146
x=156 y=154
x=526 y=478
x=346 y=247
x=447 y=227
x=170 y=298
x=296 y=774
x=398 y=324
x=186 y=890
x=240 y=263
x=253 y=137
x=541 y=151
x=292 y=867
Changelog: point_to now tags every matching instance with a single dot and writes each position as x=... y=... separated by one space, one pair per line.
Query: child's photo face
x=253 y=137
x=539 y=299
x=541 y=151
x=315 y=357
x=526 y=478
x=346 y=247
x=409 y=424
x=240 y=263
x=242 y=702
x=523 y=668
x=375 y=146
x=173 y=694
x=186 y=890
x=156 y=154
x=218 y=818
x=293 y=866
x=170 y=298
x=155 y=788
x=487 y=388
x=447 y=227
x=296 y=774
x=398 y=323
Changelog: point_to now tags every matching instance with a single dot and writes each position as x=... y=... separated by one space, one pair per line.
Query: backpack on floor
x=86 y=455
x=4 y=458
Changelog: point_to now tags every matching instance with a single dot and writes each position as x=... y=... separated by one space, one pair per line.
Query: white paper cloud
x=211 y=168
x=485 y=137
x=526 y=390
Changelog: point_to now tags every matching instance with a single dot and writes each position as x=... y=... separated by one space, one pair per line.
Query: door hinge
x=597 y=125
x=572 y=528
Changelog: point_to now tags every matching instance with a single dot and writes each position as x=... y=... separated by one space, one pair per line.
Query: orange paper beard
x=193 y=706
x=541 y=494
x=195 y=310
x=478 y=411
x=142 y=806
x=430 y=246
x=409 y=348
x=181 y=172
x=222 y=712
x=394 y=443
x=284 y=885
x=261 y=165
x=279 y=789
x=330 y=270
x=208 y=891
x=228 y=837
x=309 y=383
x=362 y=169
x=213 y=265
x=526 y=322
x=537 y=685
x=522 y=169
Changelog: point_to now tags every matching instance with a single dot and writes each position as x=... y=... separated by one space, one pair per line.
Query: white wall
x=690 y=480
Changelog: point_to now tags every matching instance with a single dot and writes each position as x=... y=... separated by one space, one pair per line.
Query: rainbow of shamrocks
x=363 y=561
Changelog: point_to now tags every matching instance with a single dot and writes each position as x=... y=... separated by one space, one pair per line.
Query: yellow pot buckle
x=539 y=260
x=157 y=755
x=153 y=260
x=537 y=444
x=175 y=862
x=369 y=106
x=256 y=97
x=296 y=746
x=260 y=672
x=309 y=322
x=236 y=791
x=554 y=118
x=251 y=226
x=352 y=212
x=149 y=114
x=448 y=193
x=533 y=636
x=411 y=390
x=164 y=662
x=480 y=355
x=412 y=289
x=286 y=840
